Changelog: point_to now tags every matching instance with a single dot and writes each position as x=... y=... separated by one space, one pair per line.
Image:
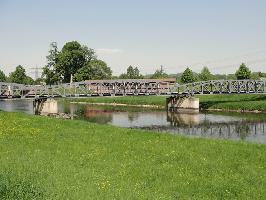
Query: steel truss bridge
x=131 y=87
x=118 y=87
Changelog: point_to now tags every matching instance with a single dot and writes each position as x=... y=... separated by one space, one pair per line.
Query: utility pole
x=36 y=71
x=161 y=69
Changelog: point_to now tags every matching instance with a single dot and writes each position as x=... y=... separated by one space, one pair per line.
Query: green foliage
x=70 y=60
x=220 y=76
x=74 y=60
x=132 y=73
x=94 y=70
x=159 y=74
x=255 y=75
x=81 y=160
x=39 y=81
x=29 y=81
x=19 y=76
x=231 y=77
x=3 y=77
x=50 y=74
x=187 y=76
x=243 y=72
x=262 y=75
x=205 y=75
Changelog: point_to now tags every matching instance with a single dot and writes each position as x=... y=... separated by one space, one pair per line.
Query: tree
x=72 y=58
x=243 y=72
x=205 y=74
x=159 y=73
x=132 y=73
x=49 y=71
x=123 y=76
x=220 y=76
x=94 y=70
x=3 y=77
x=255 y=76
x=187 y=76
x=29 y=80
x=39 y=81
x=18 y=76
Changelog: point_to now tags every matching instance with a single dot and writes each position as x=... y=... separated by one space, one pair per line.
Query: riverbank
x=232 y=102
x=46 y=158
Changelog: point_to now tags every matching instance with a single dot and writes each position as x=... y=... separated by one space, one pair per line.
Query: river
x=235 y=126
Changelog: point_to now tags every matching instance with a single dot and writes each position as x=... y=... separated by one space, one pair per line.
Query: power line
x=36 y=71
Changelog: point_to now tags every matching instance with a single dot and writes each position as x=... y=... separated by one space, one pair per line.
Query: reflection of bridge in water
x=189 y=124
x=122 y=87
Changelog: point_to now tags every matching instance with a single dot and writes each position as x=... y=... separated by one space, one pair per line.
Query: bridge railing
x=132 y=87
x=221 y=87
x=93 y=87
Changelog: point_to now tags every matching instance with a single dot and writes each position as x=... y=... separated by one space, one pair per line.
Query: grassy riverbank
x=225 y=102
x=45 y=158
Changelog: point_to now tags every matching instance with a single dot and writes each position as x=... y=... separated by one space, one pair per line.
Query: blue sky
x=142 y=33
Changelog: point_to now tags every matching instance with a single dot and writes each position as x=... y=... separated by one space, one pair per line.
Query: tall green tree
x=72 y=58
x=19 y=76
x=132 y=73
x=94 y=70
x=243 y=72
x=159 y=73
x=50 y=74
x=3 y=77
x=205 y=74
x=187 y=76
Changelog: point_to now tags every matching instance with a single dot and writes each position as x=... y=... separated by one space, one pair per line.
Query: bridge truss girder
x=88 y=88
x=221 y=87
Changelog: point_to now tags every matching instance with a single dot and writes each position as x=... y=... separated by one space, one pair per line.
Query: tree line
x=17 y=76
x=76 y=62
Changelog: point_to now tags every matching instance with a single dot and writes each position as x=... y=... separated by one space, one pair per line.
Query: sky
x=142 y=33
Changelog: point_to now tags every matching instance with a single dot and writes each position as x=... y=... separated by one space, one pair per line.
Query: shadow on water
x=236 y=126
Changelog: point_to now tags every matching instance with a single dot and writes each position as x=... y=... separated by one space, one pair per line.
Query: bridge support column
x=182 y=103
x=45 y=106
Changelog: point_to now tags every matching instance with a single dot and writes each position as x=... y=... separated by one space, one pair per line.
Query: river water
x=235 y=126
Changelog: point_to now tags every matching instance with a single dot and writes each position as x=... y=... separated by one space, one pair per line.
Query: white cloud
x=108 y=51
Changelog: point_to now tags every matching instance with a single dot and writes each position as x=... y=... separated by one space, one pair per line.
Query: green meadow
x=46 y=158
x=223 y=101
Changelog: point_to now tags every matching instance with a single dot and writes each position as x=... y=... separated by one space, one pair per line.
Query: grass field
x=45 y=158
x=225 y=102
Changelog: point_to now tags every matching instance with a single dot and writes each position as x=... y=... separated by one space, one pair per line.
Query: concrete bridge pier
x=45 y=106
x=182 y=103
x=38 y=105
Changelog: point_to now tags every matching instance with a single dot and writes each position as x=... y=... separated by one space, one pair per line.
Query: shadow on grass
x=13 y=188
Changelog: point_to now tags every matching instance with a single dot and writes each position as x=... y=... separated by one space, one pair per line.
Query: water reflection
x=236 y=126
x=25 y=106
x=213 y=125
